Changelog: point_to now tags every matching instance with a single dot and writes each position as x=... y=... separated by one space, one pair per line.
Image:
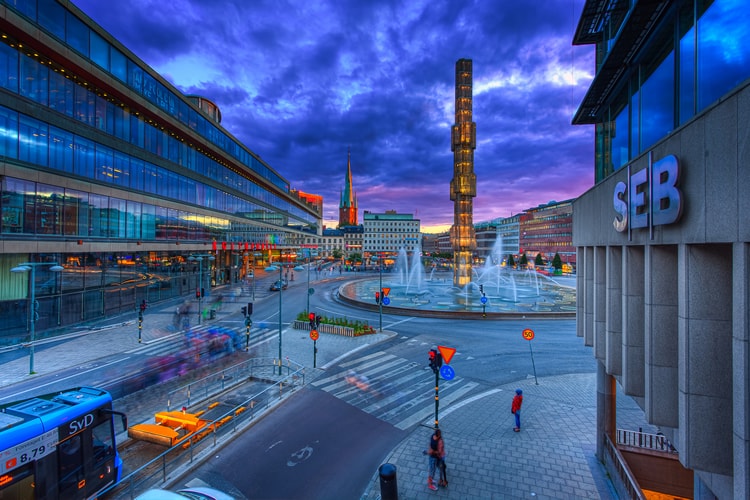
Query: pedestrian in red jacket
x=515 y=408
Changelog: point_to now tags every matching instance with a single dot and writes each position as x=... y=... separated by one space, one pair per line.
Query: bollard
x=388 y=482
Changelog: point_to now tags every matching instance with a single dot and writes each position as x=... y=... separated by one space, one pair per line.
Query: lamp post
x=252 y=271
x=199 y=292
x=380 y=302
x=33 y=306
x=281 y=289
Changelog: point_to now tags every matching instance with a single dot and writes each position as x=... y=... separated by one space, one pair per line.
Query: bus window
x=103 y=442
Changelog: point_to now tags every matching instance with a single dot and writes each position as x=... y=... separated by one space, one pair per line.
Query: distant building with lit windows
x=389 y=232
x=507 y=232
x=548 y=230
x=110 y=171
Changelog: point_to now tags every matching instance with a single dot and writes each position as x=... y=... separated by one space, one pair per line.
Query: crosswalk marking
x=393 y=389
x=428 y=410
x=257 y=336
x=363 y=358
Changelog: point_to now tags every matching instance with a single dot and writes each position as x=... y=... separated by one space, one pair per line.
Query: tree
x=557 y=262
x=524 y=261
x=539 y=260
x=355 y=257
x=337 y=254
x=511 y=261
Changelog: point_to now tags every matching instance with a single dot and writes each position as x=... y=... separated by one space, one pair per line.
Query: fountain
x=506 y=290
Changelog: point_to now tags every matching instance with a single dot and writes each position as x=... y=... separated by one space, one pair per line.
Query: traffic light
x=436 y=360
x=377 y=297
x=312 y=320
x=249 y=308
x=197 y=293
x=244 y=310
x=317 y=321
x=481 y=289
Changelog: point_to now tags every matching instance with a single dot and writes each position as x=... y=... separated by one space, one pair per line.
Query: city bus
x=59 y=446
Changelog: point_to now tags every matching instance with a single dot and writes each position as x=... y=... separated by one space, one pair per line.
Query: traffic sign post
x=437 y=357
x=528 y=334
x=248 y=324
x=314 y=336
x=140 y=324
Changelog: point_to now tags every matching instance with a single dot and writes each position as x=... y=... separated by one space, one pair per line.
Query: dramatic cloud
x=302 y=82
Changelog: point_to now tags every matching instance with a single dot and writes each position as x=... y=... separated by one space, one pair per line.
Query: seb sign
x=651 y=196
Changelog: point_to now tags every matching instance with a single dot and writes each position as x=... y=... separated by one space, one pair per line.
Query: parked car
x=279 y=285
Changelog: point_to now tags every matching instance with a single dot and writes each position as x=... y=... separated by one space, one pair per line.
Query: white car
x=195 y=493
x=204 y=493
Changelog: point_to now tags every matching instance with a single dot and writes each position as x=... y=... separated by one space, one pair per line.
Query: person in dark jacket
x=515 y=408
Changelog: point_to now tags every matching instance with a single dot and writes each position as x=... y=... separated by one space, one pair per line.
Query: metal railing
x=157 y=471
x=215 y=383
x=639 y=439
x=621 y=470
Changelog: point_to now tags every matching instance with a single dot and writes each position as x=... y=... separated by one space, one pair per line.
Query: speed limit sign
x=528 y=334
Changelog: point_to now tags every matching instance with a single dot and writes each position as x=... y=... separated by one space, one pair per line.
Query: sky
x=301 y=83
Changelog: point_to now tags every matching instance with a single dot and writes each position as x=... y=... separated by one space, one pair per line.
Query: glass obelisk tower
x=464 y=182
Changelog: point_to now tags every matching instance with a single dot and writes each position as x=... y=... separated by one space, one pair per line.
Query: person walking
x=515 y=409
x=436 y=452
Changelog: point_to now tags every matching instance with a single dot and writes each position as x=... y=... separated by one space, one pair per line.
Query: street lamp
x=33 y=306
x=271 y=269
x=380 y=302
x=301 y=268
x=199 y=291
x=252 y=271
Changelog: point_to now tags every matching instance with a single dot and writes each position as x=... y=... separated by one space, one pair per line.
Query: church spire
x=348 y=203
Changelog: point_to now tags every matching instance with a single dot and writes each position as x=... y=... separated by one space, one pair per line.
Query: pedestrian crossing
x=393 y=389
x=165 y=347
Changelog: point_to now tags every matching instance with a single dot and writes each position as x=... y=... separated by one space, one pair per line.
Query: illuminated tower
x=464 y=182
x=348 y=203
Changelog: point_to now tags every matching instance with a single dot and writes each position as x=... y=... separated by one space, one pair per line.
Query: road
x=330 y=438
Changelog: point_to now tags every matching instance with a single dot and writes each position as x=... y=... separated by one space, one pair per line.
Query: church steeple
x=348 y=203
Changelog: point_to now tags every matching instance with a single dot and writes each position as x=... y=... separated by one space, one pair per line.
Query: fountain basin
x=516 y=295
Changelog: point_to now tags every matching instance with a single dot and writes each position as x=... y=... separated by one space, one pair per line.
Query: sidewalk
x=552 y=457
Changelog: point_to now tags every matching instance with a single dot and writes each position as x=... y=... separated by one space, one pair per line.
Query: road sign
x=310 y=291
x=386 y=301
x=447 y=353
x=447 y=372
x=386 y=291
x=483 y=300
x=314 y=334
x=528 y=334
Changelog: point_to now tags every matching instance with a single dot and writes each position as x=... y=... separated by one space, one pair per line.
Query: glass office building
x=663 y=239
x=111 y=172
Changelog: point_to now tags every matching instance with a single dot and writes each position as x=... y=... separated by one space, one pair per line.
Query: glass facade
x=699 y=56
x=109 y=152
